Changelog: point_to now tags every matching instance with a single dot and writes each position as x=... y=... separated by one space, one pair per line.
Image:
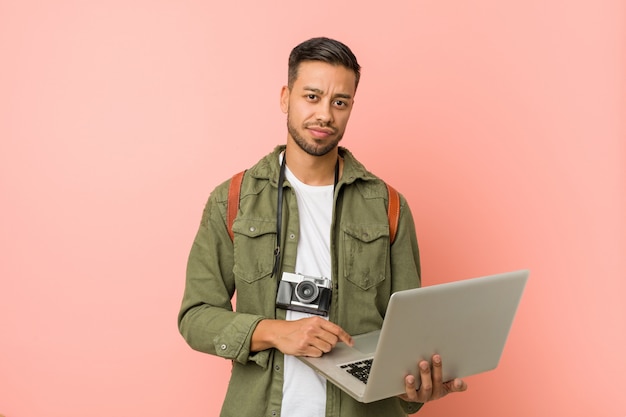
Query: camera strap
x=279 y=208
x=279 y=214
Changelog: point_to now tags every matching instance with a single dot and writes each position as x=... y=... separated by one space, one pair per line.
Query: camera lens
x=306 y=291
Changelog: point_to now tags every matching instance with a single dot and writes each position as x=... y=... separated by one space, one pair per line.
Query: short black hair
x=322 y=49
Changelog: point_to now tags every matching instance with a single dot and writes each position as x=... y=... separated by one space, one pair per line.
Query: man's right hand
x=312 y=336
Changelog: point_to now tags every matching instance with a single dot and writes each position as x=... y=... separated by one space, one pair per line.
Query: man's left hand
x=432 y=386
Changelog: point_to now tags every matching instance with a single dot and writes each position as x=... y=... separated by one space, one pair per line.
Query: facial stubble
x=313 y=148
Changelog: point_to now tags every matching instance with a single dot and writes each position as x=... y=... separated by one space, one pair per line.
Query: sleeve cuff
x=234 y=342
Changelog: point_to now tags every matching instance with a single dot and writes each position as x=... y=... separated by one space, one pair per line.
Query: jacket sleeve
x=206 y=319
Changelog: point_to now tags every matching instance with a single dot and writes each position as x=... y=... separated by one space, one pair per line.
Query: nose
x=323 y=114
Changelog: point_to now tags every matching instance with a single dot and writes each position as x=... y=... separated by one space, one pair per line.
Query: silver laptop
x=467 y=322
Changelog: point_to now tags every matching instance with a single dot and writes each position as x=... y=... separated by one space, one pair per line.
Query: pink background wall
x=501 y=122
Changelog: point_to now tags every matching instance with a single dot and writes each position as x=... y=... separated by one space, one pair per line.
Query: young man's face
x=318 y=106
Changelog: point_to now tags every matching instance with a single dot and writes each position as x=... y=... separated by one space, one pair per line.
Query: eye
x=311 y=97
x=341 y=103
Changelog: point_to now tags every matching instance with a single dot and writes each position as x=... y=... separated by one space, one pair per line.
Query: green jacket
x=366 y=270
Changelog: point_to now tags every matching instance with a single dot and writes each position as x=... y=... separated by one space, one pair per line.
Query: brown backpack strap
x=233 y=201
x=393 y=212
x=234 y=190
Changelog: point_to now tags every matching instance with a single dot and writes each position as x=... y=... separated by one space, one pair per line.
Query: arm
x=206 y=318
x=312 y=336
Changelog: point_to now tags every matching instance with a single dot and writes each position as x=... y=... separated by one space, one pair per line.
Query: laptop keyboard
x=359 y=369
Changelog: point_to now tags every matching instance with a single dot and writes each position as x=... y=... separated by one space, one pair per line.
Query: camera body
x=303 y=293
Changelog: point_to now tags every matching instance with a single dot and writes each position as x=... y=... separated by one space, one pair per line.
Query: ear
x=284 y=99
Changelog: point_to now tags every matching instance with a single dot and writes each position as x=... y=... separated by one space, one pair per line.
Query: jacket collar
x=268 y=168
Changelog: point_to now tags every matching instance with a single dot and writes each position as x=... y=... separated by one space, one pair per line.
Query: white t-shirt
x=304 y=391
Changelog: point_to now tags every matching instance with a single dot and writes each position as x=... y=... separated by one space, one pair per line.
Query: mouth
x=320 y=132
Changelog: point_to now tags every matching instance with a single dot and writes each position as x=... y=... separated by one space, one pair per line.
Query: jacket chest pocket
x=254 y=245
x=365 y=253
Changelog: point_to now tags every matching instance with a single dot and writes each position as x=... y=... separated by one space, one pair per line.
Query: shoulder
x=260 y=173
x=369 y=185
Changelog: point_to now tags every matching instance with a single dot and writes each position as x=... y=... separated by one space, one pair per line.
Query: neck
x=313 y=170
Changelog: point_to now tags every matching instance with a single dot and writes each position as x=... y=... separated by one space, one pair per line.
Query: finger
x=323 y=335
x=322 y=345
x=426 y=389
x=324 y=338
x=410 y=388
x=310 y=346
x=456 y=385
x=302 y=339
x=338 y=333
x=345 y=338
x=314 y=351
x=438 y=388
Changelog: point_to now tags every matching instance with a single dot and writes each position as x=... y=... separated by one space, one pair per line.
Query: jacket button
x=223 y=346
x=252 y=228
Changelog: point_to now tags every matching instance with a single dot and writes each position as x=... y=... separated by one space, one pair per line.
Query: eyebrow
x=321 y=92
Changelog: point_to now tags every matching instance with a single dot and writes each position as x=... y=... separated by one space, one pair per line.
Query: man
x=308 y=208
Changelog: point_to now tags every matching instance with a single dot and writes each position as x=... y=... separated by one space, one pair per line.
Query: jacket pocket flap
x=253 y=227
x=366 y=232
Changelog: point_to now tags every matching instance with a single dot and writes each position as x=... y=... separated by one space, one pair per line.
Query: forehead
x=325 y=77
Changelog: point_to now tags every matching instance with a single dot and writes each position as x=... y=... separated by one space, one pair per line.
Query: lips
x=320 y=132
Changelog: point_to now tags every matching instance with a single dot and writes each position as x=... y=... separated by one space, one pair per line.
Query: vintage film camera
x=305 y=294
